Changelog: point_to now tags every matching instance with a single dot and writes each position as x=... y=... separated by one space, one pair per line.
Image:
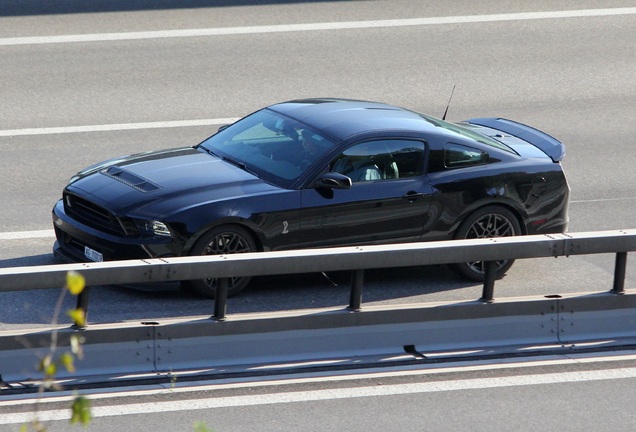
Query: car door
x=388 y=200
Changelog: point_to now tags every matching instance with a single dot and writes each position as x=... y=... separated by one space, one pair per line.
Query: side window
x=457 y=155
x=381 y=160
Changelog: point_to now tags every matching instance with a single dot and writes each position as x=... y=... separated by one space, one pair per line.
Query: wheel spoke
x=225 y=244
x=489 y=225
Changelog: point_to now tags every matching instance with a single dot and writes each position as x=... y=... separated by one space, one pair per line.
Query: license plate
x=93 y=255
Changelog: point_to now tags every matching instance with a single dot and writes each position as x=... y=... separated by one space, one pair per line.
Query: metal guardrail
x=355 y=259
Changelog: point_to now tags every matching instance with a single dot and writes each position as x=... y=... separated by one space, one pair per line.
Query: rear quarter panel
x=534 y=189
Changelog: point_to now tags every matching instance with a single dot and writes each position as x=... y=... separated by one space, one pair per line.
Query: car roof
x=344 y=118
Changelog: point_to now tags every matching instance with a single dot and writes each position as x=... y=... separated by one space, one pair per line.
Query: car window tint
x=259 y=133
x=457 y=155
x=381 y=160
x=465 y=130
x=277 y=148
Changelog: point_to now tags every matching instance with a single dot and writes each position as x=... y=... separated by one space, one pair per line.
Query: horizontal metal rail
x=355 y=258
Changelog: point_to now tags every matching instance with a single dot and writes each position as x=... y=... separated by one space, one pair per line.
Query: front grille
x=98 y=217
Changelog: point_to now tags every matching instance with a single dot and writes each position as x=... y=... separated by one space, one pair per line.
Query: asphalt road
x=68 y=103
x=568 y=393
x=572 y=76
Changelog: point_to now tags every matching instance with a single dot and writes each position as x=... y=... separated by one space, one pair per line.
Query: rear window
x=458 y=155
x=467 y=133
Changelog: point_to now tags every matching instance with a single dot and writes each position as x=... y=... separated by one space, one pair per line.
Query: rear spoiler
x=547 y=144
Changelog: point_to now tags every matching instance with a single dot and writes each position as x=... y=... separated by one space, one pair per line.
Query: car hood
x=163 y=182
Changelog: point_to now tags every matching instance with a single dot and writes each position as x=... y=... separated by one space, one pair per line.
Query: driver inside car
x=359 y=167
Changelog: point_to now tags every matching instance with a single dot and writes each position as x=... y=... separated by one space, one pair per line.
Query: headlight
x=157 y=228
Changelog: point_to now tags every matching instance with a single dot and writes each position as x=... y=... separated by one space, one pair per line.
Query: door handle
x=412 y=196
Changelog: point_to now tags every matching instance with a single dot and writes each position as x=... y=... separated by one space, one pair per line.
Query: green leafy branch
x=54 y=361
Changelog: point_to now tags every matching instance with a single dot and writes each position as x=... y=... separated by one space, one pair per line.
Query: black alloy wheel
x=222 y=240
x=487 y=222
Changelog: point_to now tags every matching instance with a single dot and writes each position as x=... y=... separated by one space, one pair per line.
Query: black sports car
x=318 y=173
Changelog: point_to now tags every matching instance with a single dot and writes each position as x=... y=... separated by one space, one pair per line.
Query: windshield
x=276 y=148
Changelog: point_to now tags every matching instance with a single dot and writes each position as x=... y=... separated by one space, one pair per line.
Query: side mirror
x=334 y=180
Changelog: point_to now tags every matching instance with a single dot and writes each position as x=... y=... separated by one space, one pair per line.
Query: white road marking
x=224 y=31
x=21 y=235
x=323 y=377
x=602 y=200
x=103 y=37
x=116 y=127
x=289 y=397
x=256 y=30
x=331 y=394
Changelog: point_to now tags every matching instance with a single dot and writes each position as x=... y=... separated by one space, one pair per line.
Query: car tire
x=487 y=222
x=222 y=240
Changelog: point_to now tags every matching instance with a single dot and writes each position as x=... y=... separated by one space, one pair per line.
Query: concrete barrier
x=259 y=341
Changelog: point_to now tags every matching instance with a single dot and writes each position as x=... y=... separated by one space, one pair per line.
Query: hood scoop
x=130 y=179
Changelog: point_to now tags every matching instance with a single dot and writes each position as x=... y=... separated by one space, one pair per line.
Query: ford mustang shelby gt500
x=318 y=173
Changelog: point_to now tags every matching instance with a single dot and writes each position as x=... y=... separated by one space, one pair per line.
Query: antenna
x=449 y=101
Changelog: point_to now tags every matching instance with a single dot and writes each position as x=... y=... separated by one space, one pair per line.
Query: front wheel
x=222 y=240
x=487 y=222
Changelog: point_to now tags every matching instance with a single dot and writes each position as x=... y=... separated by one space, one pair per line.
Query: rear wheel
x=222 y=240
x=487 y=222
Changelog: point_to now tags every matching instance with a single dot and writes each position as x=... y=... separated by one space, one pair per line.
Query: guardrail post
x=82 y=303
x=490 y=271
x=619 y=273
x=355 y=298
x=220 y=299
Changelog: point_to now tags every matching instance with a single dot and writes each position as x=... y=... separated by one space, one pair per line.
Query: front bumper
x=74 y=237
